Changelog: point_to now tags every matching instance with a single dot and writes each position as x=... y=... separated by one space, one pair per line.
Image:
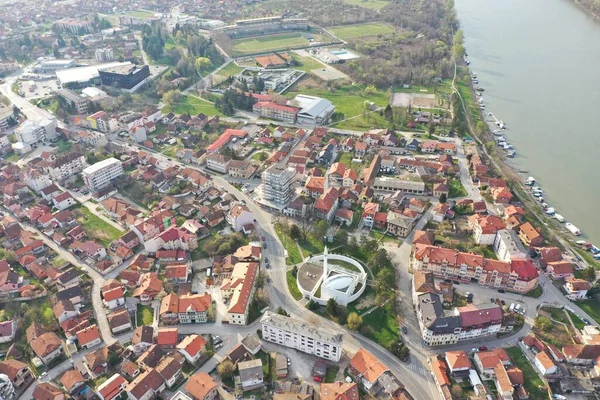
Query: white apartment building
x=217 y=162
x=32 y=132
x=507 y=246
x=51 y=66
x=6 y=113
x=279 y=183
x=79 y=103
x=100 y=174
x=8 y=66
x=105 y=55
x=302 y=336
x=66 y=166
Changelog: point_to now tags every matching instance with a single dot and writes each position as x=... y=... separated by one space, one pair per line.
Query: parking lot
x=38 y=89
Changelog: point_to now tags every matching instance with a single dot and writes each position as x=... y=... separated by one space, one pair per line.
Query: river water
x=539 y=62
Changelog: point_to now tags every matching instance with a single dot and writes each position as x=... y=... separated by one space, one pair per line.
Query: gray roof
x=69 y=293
x=433 y=317
x=251 y=370
x=313 y=106
x=251 y=342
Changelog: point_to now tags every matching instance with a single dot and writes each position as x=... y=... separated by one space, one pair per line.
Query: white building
x=78 y=103
x=313 y=110
x=238 y=216
x=507 y=246
x=65 y=166
x=302 y=336
x=240 y=289
x=545 y=364
x=138 y=133
x=218 y=163
x=104 y=55
x=51 y=66
x=32 y=132
x=100 y=174
x=279 y=184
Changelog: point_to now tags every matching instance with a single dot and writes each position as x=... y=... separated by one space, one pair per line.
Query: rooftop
x=305 y=328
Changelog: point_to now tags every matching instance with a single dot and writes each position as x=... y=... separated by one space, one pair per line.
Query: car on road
x=493 y=300
x=263 y=238
x=404 y=330
x=474 y=350
x=218 y=346
x=587 y=321
x=456 y=282
x=318 y=379
x=501 y=291
x=483 y=348
x=502 y=302
x=264 y=245
x=43 y=375
x=289 y=362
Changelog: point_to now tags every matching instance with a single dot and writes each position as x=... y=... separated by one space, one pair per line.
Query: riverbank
x=592 y=9
x=502 y=168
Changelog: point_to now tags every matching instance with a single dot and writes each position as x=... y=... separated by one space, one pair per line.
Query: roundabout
x=331 y=276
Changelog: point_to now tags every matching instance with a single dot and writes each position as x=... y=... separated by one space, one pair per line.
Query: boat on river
x=559 y=218
x=479 y=89
x=573 y=229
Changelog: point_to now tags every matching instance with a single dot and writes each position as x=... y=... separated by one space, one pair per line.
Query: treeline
x=592 y=6
x=232 y=100
x=153 y=41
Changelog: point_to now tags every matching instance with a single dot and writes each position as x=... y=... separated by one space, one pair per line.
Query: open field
x=230 y=70
x=381 y=326
x=307 y=63
x=145 y=315
x=278 y=41
x=590 y=307
x=293 y=285
x=192 y=106
x=360 y=30
x=96 y=228
x=139 y=14
x=372 y=4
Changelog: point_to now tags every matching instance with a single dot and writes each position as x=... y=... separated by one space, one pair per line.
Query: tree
x=443 y=198
x=171 y=97
x=589 y=274
x=312 y=305
x=262 y=156
x=389 y=113
x=202 y=64
x=225 y=369
x=542 y=323
x=354 y=321
x=320 y=229
x=295 y=232
x=281 y=311
x=431 y=127
x=341 y=237
x=332 y=307
x=457 y=391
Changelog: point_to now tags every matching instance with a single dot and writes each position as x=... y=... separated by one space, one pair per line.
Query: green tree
x=171 y=97
x=355 y=321
x=281 y=311
x=312 y=305
x=341 y=237
x=202 y=64
x=443 y=198
x=295 y=232
x=431 y=127
x=225 y=369
x=543 y=324
x=589 y=274
x=332 y=307
x=262 y=156
x=320 y=229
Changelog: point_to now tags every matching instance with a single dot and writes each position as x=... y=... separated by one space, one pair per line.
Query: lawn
x=381 y=326
x=96 y=228
x=140 y=14
x=372 y=4
x=346 y=158
x=307 y=63
x=349 y=100
x=535 y=293
x=533 y=381
x=145 y=315
x=591 y=308
x=293 y=255
x=345 y=32
x=230 y=70
x=293 y=285
x=579 y=324
x=256 y=156
x=191 y=105
x=278 y=41
x=457 y=189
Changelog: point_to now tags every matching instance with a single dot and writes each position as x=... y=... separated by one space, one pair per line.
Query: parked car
x=483 y=348
x=474 y=350
x=404 y=330
x=501 y=291
x=318 y=379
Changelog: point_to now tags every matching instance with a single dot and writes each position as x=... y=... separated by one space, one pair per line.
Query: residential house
x=167 y=338
x=47 y=391
x=240 y=169
x=96 y=363
x=64 y=310
x=150 y=287
x=239 y=216
x=119 y=321
x=440 y=212
x=576 y=289
x=439 y=370
x=336 y=391
x=368 y=216
x=501 y=195
x=63 y=201
x=559 y=269
x=17 y=371
x=113 y=298
x=327 y=204
x=112 y=387
x=201 y=386
x=581 y=354
x=441 y=188
x=458 y=363
x=251 y=374
x=530 y=236
x=545 y=364
x=485 y=228
x=89 y=337
x=147 y=385
x=142 y=338
x=173 y=238
x=89 y=249
x=240 y=289
x=185 y=309
x=177 y=273
x=192 y=347
x=217 y=162
x=399 y=224
x=151 y=357
x=72 y=381
x=171 y=370
x=47 y=347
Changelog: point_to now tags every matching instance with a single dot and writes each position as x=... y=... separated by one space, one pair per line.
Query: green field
x=381 y=326
x=192 y=105
x=307 y=63
x=278 y=41
x=293 y=285
x=140 y=14
x=145 y=315
x=590 y=307
x=230 y=70
x=372 y=4
x=96 y=228
x=360 y=30
x=457 y=189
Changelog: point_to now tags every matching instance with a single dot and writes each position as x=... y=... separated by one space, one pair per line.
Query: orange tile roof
x=200 y=385
x=244 y=297
x=88 y=334
x=339 y=391
x=367 y=365
x=457 y=360
x=192 y=344
x=167 y=337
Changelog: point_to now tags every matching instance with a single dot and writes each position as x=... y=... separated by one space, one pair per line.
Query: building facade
x=278 y=184
x=100 y=175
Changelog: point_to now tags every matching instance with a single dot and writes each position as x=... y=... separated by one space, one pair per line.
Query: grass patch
x=533 y=383
x=192 y=106
x=145 y=315
x=346 y=158
x=12 y=157
x=307 y=64
x=557 y=314
x=372 y=4
x=331 y=373
x=578 y=322
x=590 y=307
x=265 y=43
x=256 y=156
x=293 y=285
x=361 y=30
x=96 y=228
x=535 y=293
x=230 y=70
x=293 y=255
x=381 y=326
x=140 y=14
x=457 y=189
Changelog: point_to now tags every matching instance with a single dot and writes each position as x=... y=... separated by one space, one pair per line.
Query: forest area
x=418 y=53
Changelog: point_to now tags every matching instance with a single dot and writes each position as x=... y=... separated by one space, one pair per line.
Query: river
x=539 y=62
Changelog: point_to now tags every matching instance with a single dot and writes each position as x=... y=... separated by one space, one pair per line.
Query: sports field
x=360 y=30
x=372 y=4
x=278 y=41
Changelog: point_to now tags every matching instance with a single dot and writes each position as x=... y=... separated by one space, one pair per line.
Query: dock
x=495 y=119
